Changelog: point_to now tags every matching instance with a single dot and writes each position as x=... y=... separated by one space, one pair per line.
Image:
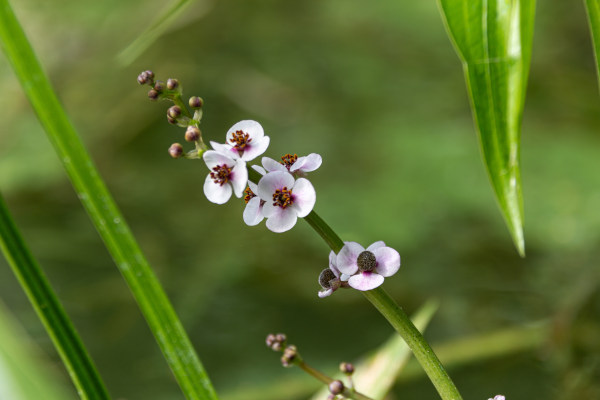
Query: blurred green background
x=377 y=91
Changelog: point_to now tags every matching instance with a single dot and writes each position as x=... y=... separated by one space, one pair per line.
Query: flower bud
x=153 y=94
x=336 y=387
x=289 y=356
x=174 y=112
x=276 y=342
x=142 y=78
x=172 y=84
x=192 y=134
x=347 y=368
x=159 y=86
x=149 y=74
x=176 y=150
x=196 y=102
x=171 y=120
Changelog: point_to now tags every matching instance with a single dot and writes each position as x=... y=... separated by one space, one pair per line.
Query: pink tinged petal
x=259 y=169
x=333 y=264
x=282 y=220
x=253 y=212
x=308 y=163
x=255 y=148
x=239 y=178
x=273 y=181
x=365 y=281
x=213 y=158
x=388 y=261
x=216 y=193
x=325 y=293
x=346 y=258
x=252 y=128
x=272 y=165
x=304 y=196
x=376 y=245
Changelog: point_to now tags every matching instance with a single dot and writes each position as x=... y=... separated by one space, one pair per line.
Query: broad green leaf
x=49 y=310
x=24 y=373
x=377 y=373
x=593 y=11
x=103 y=211
x=493 y=39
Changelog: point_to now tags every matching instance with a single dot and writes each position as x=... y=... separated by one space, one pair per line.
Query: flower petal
x=346 y=258
x=259 y=169
x=308 y=163
x=282 y=220
x=255 y=148
x=388 y=261
x=213 y=158
x=253 y=187
x=376 y=245
x=252 y=128
x=325 y=293
x=253 y=212
x=333 y=264
x=304 y=197
x=272 y=165
x=365 y=281
x=225 y=149
x=273 y=181
x=239 y=178
x=216 y=193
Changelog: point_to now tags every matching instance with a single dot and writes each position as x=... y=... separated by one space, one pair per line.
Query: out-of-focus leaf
x=593 y=12
x=23 y=375
x=493 y=39
x=377 y=373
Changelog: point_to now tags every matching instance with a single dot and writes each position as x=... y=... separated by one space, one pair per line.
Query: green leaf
x=377 y=373
x=105 y=215
x=49 y=310
x=24 y=373
x=593 y=12
x=493 y=39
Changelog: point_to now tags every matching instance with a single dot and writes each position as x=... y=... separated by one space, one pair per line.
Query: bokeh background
x=378 y=91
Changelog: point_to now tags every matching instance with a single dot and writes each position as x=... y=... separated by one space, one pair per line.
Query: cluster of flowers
x=282 y=195
x=360 y=268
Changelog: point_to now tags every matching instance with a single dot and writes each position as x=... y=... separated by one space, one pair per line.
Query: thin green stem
x=348 y=392
x=48 y=308
x=397 y=318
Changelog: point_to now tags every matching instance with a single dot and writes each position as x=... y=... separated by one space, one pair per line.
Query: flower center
x=283 y=197
x=366 y=261
x=288 y=160
x=240 y=140
x=221 y=174
x=325 y=278
x=249 y=194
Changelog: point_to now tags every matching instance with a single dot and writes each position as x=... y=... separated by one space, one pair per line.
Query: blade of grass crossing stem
x=377 y=373
x=593 y=12
x=493 y=39
x=49 y=310
x=24 y=373
x=104 y=213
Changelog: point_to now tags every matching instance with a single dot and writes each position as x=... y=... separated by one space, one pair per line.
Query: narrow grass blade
x=593 y=12
x=103 y=211
x=49 y=310
x=493 y=39
x=24 y=373
x=378 y=372
x=153 y=32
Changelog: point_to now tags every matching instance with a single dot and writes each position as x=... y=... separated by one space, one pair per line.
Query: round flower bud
x=270 y=340
x=196 y=102
x=153 y=95
x=171 y=120
x=172 y=84
x=159 y=86
x=331 y=396
x=347 y=368
x=142 y=78
x=281 y=338
x=336 y=387
x=174 y=112
x=176 y=150
x=192 y=134
x=149 y=74
x=289 y=355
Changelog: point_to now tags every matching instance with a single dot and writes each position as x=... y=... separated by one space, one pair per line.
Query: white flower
x=331 y=278
x=285 y=199
x=227 y=175
x=246 y=140
x=498 y=397
x=293 y=163
x=254 y=205
x=368 y=267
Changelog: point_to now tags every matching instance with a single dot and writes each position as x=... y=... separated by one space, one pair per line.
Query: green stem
x=48 y=308
x=397 y=318
x=348 y=393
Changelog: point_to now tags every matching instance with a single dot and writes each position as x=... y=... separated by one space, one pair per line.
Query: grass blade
x=49 y=310
x=593 y=11
x=103 y=211
x=493 y=39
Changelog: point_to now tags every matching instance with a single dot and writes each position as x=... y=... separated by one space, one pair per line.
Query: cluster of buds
x=178 y=114
x=278 y=343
